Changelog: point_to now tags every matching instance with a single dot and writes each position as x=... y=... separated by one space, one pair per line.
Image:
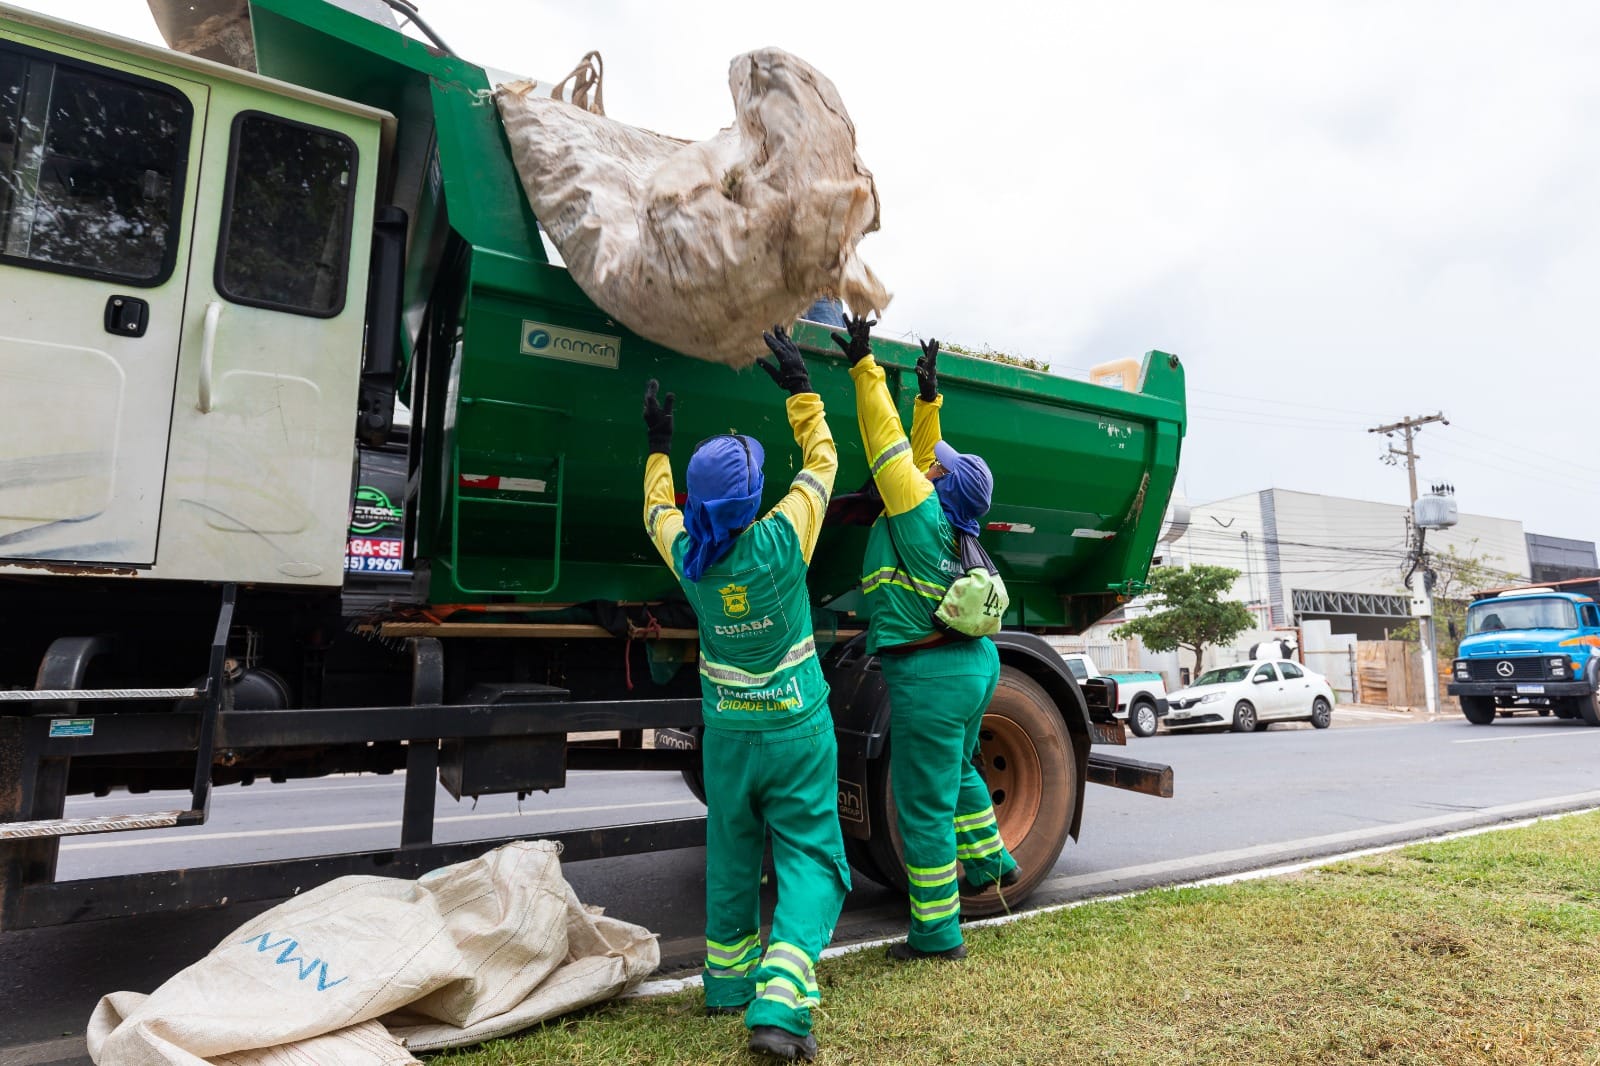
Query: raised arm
x=925 y=410
x=662 y=519
x=807 y=499
x=900 y=483
x=806 y=502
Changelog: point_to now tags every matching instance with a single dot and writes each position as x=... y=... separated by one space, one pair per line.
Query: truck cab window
x=286 y=221
x=91 y=168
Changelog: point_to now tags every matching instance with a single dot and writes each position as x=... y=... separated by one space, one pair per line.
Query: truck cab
x=183 y=282
x=1530 y=648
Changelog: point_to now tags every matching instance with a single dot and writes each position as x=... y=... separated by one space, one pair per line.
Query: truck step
x=46 y=695
x=104 y=823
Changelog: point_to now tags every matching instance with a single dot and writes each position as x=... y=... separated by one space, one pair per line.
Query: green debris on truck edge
x=1476 y=950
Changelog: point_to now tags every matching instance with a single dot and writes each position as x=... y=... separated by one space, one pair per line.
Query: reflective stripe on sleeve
x=898 y=448
x=810 y=481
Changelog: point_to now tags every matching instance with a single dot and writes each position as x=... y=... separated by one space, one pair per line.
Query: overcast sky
x=1338 y=214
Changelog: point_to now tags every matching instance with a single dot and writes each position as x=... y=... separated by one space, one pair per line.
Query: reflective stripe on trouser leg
x=787 y=979
x=734 y=844
x=937 y=697
x=728 y=970
x=934 y=895
x=798 y=799
x=983 y=855
x=984 y=858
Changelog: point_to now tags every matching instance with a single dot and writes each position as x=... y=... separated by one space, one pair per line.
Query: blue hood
x=724 y=495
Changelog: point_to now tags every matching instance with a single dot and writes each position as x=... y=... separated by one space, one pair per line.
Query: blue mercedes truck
x=1531 y=649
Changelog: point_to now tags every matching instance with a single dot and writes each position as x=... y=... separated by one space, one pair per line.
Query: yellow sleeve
x=662 y=519
x=900 y=483
x=925 y=431
x=807 y=500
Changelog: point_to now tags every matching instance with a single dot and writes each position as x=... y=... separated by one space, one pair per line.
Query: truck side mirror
x=1451 y=627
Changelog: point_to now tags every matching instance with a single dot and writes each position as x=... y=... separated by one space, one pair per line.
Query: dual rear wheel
x=1029 y=763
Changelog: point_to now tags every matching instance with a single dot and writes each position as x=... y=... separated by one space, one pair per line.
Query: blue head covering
x=966 y=488
x=724 y=495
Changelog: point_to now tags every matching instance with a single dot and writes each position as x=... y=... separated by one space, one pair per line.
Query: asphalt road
x=1243 y=801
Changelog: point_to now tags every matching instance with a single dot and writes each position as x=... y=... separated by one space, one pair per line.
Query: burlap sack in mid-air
x=701 y=246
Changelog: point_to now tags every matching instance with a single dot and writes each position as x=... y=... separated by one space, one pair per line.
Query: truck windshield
x=1494 y=615
x=1226 y=676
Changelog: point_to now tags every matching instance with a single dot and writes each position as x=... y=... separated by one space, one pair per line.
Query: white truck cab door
x=263 y=430
x=98 y=165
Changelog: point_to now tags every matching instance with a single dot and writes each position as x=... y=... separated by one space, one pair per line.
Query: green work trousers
x=937 y=697
x=782 y=783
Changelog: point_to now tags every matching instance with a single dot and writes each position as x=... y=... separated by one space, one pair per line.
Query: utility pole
x=1419 y=573
x=1409 y=426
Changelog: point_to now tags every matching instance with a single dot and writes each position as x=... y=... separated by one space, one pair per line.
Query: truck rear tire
x=1479 y=710
x=1029 y=763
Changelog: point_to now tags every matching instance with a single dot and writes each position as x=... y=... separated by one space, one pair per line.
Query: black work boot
x=1005 y=880
x=782 y=1044
x=904 y=952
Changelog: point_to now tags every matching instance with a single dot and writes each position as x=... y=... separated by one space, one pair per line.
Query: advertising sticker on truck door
x=364 y=553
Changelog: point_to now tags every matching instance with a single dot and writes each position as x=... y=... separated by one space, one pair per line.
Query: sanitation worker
x=939 y=682
x=770 y=759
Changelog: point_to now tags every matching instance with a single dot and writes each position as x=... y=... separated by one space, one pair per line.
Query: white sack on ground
x=700 y=247
x=363 y=970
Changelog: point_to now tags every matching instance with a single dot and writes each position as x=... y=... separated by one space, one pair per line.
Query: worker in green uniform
x=939 y=682
x=770 y=759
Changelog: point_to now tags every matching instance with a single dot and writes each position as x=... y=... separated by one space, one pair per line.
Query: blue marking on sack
x=289 y=956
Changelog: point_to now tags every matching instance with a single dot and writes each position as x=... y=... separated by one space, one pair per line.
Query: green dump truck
x=222 y=561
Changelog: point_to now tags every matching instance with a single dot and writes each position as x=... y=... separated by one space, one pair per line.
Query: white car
x=1250 y=696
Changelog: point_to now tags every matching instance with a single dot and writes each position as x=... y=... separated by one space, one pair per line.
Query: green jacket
x=758 y=659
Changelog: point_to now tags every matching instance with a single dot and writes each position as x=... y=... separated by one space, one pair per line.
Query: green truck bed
x=527 y=486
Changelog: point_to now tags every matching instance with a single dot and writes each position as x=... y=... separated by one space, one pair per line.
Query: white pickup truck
x=1141 y=694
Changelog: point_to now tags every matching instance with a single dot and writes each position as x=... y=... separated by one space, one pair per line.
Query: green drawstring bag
x=973 y=605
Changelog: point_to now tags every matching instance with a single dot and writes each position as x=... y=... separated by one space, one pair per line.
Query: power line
x=1410 y=427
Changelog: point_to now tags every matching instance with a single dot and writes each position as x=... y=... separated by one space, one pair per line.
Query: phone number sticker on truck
x=375 y=555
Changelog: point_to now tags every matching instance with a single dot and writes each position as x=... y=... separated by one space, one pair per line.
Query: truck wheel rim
x=1013 y=772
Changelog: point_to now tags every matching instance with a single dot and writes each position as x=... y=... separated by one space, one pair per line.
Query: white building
x=1303 y=556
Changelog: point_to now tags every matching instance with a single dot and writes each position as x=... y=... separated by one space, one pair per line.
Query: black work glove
x=789 y=368
x=928 y=371
x=658 y=419
x=856 y=346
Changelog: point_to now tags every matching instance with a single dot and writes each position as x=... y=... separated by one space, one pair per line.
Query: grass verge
x=1484 y=949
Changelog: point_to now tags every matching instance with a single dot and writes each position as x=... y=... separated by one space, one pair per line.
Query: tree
x=1456 y=577
x=1190 y=612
